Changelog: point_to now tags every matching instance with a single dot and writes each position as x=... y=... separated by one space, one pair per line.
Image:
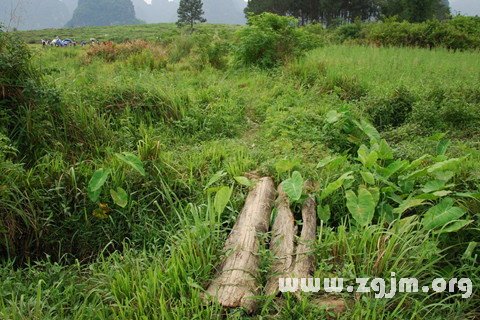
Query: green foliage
x=190 y=12
x=132 y=160
x=452 y=34
x=293 y=186
x=336 y=12
x=270 y=40
x=222 y=197
x=198 y=132
x=445 y=217
x=362 y=207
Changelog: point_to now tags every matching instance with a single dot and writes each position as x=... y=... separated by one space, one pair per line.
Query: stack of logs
x=236 y=283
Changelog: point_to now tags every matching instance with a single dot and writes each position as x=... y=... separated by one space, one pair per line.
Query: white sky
x=468 y=7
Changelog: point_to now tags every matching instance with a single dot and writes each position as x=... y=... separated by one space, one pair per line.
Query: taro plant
x=119 y=196
x=389 y=189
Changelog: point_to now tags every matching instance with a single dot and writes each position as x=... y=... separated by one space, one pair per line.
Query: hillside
x=103 y=13
x=34 y=14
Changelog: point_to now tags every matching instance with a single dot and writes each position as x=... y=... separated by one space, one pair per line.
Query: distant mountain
x=25 y=15
x=216 y=11
x=103 y=13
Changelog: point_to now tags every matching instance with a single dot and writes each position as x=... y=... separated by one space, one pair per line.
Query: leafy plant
x=270 y=40
x=293 y=186
x=100 y=177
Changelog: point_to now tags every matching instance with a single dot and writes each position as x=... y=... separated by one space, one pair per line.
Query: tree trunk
x=236 y=285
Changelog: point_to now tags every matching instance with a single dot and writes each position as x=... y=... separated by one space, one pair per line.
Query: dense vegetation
x=112 y=156
x=334 y=12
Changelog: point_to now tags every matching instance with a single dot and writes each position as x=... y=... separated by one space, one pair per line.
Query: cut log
x=305 y=259
x=236 y=283
x=281 y=244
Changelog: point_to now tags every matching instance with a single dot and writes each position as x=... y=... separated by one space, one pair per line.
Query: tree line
x=334 y=12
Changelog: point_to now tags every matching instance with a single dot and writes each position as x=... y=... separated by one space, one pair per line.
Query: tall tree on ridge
x=190 y=12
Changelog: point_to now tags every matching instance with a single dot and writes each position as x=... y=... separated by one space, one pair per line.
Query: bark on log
x=304 y=259
x=282 y=243
x=236 y=283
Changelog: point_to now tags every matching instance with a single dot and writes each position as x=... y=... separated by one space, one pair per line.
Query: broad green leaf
x=375 y=194
x=417 y=163
x=468 y=195
x=325 y=161
x=94 y=195
x=442 y=214
x=333 y=116
x=244 y=181
x=442 y=146
x=324 y=213
x=420 y=173
x=97 y=181
x=363 y=153
x=385 y=152
x=367 y=158
x=444 y=175
x=132 y=160
x=455 y=226
x=392 y=168
x=469 y=252
x=120 y=197
x=293 y=186
x=434 y=185
x=408 y=204
x=221 y=199
x=285 y=165
x=215 y=178
x=442 y=193
x=368 y=177
x=368 y=129
x=335 y=185
x=362 y=207
x=445 y=165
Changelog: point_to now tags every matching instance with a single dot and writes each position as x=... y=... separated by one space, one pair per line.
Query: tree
x=413 y=10
x=190 y=12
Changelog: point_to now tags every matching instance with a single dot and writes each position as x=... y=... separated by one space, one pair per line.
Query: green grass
x=152 y=32
x=186 y=120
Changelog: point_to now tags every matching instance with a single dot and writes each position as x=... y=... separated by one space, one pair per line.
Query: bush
x=110 y=52
x=459 y=33
x=269 y=40
x=17 y=77
x=393 y=111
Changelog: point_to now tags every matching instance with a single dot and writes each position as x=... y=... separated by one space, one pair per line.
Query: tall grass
x=187 y=118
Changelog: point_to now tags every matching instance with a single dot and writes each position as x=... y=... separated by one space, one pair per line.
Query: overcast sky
x=467 y=7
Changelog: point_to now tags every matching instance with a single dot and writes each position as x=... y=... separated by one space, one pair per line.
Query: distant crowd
x=57 y=42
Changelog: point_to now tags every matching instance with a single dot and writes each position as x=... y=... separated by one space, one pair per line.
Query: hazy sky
x=468 y=7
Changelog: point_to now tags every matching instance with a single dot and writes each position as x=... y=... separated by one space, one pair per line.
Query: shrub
x=270 y=40
x=17 y=77
x=393 y=111
x=148 y=59
x=460 y=33
x=110 y=52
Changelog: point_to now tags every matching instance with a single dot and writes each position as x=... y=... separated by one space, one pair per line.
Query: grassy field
x=152 y=32
x=197 y=121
